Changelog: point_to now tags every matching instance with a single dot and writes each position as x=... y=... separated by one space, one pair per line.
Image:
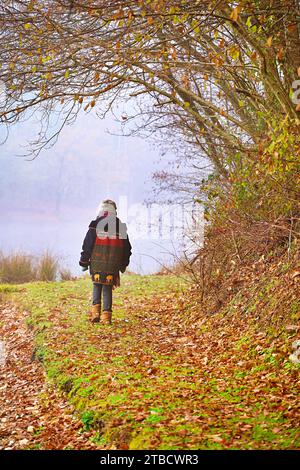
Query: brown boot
x=95 y=313
x=106 y=317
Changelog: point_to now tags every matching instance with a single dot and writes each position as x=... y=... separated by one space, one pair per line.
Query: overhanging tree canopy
x=216 y=72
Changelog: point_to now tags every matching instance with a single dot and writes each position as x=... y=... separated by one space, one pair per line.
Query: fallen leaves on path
x=32 y=414
x=165 y=374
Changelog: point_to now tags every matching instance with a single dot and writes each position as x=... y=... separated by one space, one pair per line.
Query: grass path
x=163 y=376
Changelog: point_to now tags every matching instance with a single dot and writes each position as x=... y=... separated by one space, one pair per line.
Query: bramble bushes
x=259 y=200
x=253 y=214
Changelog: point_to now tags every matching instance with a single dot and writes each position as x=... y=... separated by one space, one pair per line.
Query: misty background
x=48 y=203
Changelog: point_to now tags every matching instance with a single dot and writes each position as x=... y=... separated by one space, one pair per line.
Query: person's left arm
x=127 y=254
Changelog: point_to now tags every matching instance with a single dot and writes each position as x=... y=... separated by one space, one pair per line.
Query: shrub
x=65 y=275
x=17 y=268
x=47 y=267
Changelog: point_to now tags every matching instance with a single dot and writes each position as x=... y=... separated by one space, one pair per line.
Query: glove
x=123 y=269
x=84 y=268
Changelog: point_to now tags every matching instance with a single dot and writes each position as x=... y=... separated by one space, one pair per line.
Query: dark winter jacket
x=105 y=254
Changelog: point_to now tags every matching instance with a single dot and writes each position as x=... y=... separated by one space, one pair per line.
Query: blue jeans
x=107 y=296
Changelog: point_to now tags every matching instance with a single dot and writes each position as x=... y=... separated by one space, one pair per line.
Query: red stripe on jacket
x=110 y=241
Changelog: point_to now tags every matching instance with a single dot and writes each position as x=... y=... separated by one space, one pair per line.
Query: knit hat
x=108 y=206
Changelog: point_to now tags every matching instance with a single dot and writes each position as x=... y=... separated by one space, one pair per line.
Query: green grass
x=131 y=392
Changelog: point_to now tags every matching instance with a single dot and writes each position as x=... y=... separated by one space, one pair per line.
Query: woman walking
x=106 y=250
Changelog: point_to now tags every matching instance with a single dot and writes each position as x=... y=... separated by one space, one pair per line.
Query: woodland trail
x=165 y=375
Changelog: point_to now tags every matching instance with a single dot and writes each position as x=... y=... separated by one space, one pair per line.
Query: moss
x=9 y=288
x=142 y=439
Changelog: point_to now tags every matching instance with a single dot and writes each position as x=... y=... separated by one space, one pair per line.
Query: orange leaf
x=254 y=56
x=215 y=438
x=235 y=13
x=291 y=27
x=280 y=53
x=269 y=41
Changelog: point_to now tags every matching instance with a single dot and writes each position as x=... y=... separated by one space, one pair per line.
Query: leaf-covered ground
x=164 y=375
x=32 y=414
